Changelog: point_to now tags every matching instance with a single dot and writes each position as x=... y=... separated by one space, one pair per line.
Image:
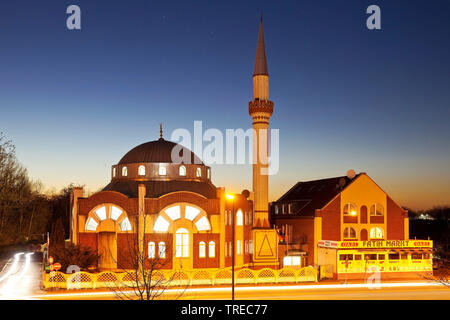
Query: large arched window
x=350 y=210
x=182 y=171
x=212 y=249
x=161 y=225
x=182 y=243
x=202 y=249
x=151 y=250
x=124 y=171
x=125 y=225
x=239 y=218
x=91 y=224
x=162 y=250
x=141 y=170
x=376 y=233
x=376 y=210
x=349 y=233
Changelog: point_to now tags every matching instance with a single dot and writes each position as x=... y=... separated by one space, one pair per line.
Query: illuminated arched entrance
x=106 y=220
x=182 y=220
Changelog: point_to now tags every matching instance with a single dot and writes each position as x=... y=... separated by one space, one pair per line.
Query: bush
x=83 y=257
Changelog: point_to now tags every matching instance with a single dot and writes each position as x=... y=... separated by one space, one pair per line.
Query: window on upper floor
x=182 y=171
x=208 y=172
x=114 y=172
x=290 y=208
x=162 y=170
x=350 y=210
x=141 y=170
x=199 y=172
x=376 y=210
x=239 y=218
x=349 y=233
x=276 y=209
x=124 y=171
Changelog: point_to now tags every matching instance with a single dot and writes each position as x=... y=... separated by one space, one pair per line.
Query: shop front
x=386 y=258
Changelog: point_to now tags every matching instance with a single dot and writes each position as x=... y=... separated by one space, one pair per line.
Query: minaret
x=260 y=109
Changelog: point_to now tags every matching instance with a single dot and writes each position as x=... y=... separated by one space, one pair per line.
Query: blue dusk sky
x=378 y=101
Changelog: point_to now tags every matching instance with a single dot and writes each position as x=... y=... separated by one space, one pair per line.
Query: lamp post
x=231 y=198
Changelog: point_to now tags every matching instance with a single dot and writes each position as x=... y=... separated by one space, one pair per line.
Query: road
x=386 y=291
x=20 y=277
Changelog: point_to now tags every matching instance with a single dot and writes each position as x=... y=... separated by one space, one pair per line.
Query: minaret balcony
x=258 y=106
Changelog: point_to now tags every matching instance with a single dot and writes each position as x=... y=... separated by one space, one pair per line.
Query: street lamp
x=230 y=197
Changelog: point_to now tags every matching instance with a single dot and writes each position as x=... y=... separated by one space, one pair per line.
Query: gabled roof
x=308 y=196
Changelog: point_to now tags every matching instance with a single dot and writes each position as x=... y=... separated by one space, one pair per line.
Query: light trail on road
x=193 y=291
x=15 y=283
x=13 y=267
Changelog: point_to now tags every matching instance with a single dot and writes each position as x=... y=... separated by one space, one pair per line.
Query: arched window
x=239 y=218
x=212 y=249
x=350 y=210
x=202 y=249
x=114 y=172
x=125 y=225
x=162 y=250
x=182 y=243
x=162 y=170
x=124 y=171
x=91 y=225
x=151 y=250
x=199 y=172
x=174 y=212
x=376 y=233
x=182 y=171
x=349 y=233
x=208 y=172
x=376 y=210
x=101 y=213
x=161 y=225
x=141 y=170
x=115 y=213
x=202 y=224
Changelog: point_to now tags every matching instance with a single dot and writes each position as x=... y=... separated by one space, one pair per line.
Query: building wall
x=363 y=192
x=395 y=221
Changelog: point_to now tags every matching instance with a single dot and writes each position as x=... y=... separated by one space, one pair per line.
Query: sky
x=345 y=97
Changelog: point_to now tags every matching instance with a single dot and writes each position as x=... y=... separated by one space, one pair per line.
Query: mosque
x=174 y=214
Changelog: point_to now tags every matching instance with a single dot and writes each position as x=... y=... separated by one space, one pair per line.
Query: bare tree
x=144 y=265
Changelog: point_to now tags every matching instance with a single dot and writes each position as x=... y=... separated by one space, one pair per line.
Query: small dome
x=156 y=151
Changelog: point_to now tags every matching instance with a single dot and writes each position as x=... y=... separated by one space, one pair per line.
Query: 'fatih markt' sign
x=376 y=244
